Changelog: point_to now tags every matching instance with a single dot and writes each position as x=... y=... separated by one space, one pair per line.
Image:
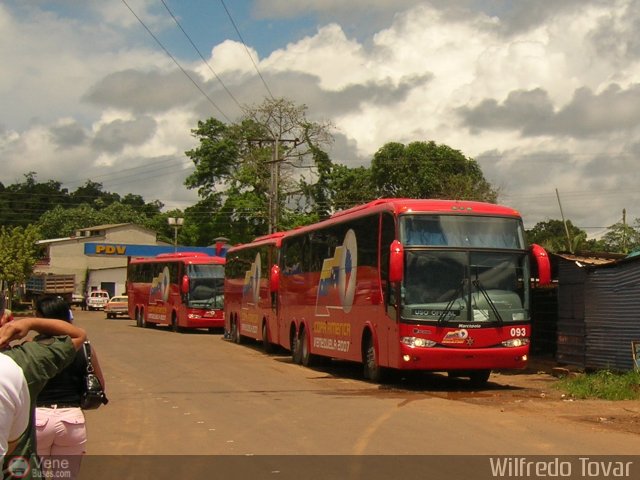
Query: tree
x=93 y=194
x=255 y=166
x=318 y=195
x=428 y=170
x=22 y=204
x=64 y=222
x=18 y=255
x=351 y=186
x=622 y=238
x=150 y=209
x=552 y=235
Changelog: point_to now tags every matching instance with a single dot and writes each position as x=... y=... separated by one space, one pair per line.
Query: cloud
x=522 y=110
x=143 y=92
x=68 y=135
x=532 y=113
x=114 y=136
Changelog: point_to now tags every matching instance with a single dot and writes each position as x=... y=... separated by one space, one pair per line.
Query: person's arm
x=19 y=328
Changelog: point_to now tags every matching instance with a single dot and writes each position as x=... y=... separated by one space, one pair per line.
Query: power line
x=129 y=173
x=247 y=49
x=201 y=56
x=176 y=62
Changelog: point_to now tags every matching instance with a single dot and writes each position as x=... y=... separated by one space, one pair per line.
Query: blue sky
x=208 y=23
x=543 y=94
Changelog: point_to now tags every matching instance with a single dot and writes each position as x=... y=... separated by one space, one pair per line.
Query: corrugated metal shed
x=571 y=328
x=599 y=311
x=544 y=320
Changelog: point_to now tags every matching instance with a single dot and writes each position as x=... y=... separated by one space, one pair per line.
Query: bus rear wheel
x=266 y=343
x=235 y=332
x=306 y=357
x=140 y=319
x=296 y=348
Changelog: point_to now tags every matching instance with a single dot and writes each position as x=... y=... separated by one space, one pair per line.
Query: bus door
x=389 y=314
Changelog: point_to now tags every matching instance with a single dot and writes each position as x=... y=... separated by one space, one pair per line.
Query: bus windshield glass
x=454 y=286
x=464 y=231
x=206 y=286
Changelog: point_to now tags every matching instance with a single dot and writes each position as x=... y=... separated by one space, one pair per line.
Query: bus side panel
x=247 y=297
x=333 y=331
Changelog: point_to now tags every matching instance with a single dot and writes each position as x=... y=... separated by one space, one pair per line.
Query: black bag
x=93 y=394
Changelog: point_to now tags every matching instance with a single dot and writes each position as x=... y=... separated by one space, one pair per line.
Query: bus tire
x=372 y=370
x=174 y=324
x=237 y=338
x=140 y=319
x=266 y=343
x=306 y=357
x=479 y=378
x=296 y=350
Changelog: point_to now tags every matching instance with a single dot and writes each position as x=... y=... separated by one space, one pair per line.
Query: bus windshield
x=462 y=231
x=206 y=286
x=453 y=286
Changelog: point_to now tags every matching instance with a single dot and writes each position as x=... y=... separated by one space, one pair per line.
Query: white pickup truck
x=97 y=299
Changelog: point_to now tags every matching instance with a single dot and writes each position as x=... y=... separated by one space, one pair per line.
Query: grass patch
x=603 y=385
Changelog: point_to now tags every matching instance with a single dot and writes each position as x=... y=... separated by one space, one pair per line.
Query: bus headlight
x=515 y=342
x=417 y=342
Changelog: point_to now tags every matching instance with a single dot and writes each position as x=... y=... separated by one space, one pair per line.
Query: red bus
x=180 y=290
x=396 y=284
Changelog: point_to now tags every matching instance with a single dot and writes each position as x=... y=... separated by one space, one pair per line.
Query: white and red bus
x=180 y=290
x=402 y=284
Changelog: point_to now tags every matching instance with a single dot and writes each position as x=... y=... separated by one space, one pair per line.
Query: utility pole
x=624 y=230
x=274 y=172
x=566 y=229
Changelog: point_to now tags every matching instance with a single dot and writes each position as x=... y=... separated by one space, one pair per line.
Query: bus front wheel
x=372 y=370
x=479 y=378
x=174 y=324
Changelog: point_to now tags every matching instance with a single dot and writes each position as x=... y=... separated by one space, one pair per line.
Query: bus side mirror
x=396 y=261
x=184 y=285
x=544 y=265
x=274 y=279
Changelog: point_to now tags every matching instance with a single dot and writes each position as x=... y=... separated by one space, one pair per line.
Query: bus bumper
x=203 y=321
x=439 y=359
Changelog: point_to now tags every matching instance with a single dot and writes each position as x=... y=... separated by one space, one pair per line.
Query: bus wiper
x=485 y=294
x=449 y=306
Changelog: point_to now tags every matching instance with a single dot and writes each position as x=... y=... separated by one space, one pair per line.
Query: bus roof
x=412 y=205
x=397 y=206
x=185 y=257
x=270 y=239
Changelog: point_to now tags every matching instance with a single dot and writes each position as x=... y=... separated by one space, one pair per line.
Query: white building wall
x=66 y=256
x=117 y=276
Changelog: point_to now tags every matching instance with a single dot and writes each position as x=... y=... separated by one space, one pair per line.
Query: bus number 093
x=518 y=332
